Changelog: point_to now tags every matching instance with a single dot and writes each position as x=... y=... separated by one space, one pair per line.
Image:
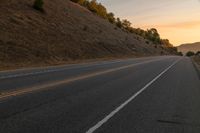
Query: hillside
x=64 y=32
x=189 y=47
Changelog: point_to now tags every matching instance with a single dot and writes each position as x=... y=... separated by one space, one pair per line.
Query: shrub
x=126 y=24
x=75 y=1
x=198 y=53
x=118 y=23
x=38 y=4
x=190 y=53
x=81 y=2
x=180 y=53
x=111 y=17
x=93 y=6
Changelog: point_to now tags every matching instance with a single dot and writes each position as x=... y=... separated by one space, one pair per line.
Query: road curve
x=154 y=94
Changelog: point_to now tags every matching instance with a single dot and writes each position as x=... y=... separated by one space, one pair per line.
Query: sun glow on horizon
x=176 y=20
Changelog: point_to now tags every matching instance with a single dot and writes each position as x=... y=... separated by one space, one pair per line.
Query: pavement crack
x=27 y=109
x=170 y=122
x=175 y=122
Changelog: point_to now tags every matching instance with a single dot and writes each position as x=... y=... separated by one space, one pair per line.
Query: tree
x=75 y=1
x=93 y=6
x=126 y=24
x=153 y=35
x=119 y=23
x=111 y=17
x=101 y=10
x=190 y=53
x=180 y=53
x=81 y=2
x=141 y=32
x=38 y=4
x=166 y=43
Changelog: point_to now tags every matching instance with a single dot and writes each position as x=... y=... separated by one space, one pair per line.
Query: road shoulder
x=196 y=62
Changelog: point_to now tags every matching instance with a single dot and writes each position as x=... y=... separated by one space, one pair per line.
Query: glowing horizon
x=176 y=20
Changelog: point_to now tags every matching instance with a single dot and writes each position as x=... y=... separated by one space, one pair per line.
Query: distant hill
x=189 y=47
x=64 y=32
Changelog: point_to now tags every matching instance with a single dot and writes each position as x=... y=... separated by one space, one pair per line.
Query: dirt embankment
x=64 y=32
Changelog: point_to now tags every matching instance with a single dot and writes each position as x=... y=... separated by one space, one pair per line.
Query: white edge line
x=105 y=119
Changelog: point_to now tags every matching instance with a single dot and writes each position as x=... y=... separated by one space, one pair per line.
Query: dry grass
x=65 y=32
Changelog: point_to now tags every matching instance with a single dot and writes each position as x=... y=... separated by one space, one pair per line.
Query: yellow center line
x=5 y=95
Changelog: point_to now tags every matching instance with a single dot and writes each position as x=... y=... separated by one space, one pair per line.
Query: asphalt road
x=144 y=95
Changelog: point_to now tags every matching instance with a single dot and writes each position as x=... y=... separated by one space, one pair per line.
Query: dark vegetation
x=149 y=34
x=180 y=53
x=38 y=5
x=198 y=53
x=190 y=53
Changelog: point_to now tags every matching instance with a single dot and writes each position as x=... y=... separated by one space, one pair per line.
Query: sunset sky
x=177 y=20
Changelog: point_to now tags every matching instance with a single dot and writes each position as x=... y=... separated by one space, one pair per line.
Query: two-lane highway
x=144 y=95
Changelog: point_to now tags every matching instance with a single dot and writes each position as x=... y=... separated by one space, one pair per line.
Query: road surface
x=144 y=95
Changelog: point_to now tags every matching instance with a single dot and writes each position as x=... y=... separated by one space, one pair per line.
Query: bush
x=198 y=53
x=118 y=23
x=126 y=24
x=111 y=17
x=75 y=1
x=180 y=53
x=190 y=53
x=38 y=4
x=81 y=2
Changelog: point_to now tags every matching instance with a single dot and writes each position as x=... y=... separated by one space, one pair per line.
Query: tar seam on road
x=8 y=94
x=106 y=118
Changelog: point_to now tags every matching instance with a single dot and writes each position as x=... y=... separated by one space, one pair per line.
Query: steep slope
x=189 y=47
x=63 y=32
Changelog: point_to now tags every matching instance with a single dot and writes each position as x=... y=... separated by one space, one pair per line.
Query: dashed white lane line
x=106 y=118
